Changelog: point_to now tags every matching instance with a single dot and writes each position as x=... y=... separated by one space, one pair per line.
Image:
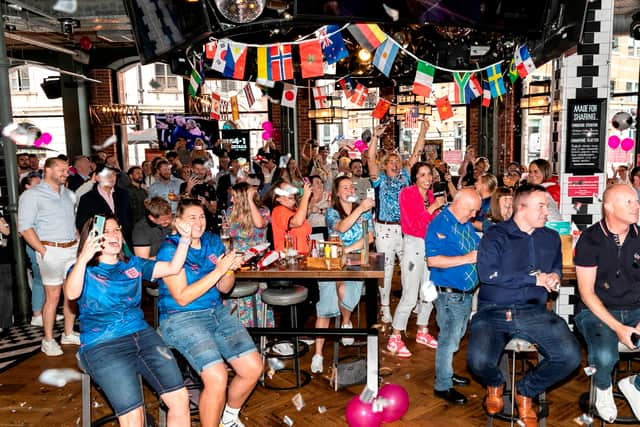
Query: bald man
x=519 y=264
x=450 y=248
x=607 y=264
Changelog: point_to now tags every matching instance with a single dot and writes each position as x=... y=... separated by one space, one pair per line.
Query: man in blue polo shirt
x=450 y=248
x=519 y=263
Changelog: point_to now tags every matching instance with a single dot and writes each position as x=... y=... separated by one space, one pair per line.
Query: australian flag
x=332 y=43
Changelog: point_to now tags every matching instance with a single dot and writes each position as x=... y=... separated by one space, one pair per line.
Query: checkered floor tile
x=22 y=342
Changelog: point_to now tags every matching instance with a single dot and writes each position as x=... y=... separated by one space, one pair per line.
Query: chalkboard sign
x=239 y=139
x=585 y=136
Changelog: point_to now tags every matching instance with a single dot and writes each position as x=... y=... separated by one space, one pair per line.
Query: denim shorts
x=114 y=366
x=207 y=337
x=327 y=305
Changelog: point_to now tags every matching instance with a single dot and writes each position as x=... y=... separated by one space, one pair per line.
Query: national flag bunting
x=411 y=117
x=474 y=88
x=235 y=110
x=460 y=87
x=513 y=71
x=381 y=108
x=359 y=95
x=289 y=94
x=320 y=96
x=494 y=75
x=281 y=62
x=444 y=108
x=249 y=94
x=385 y=55
x=263 y=63
x=424 y=79
x=368 y=36
x=347 y=85
x=523 y=61
x=219 y=57
x=332 y=43
x=210 y=50
x=235 y=60
x=486 y=94
x=311 y=58
x=215 y=106
x=194 y=83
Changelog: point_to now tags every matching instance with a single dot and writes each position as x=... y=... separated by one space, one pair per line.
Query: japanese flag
x=289 y=94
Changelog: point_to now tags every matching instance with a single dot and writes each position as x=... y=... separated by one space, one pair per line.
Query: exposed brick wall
x=505 y=132
x=101 y=93
x=304 y=124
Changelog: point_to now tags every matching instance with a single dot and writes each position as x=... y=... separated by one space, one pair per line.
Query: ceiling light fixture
x=241 y=11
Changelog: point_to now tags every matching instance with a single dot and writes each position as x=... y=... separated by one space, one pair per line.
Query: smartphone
x=98 y=226
x=635 y=339
x=371 y=193
x=439 y=189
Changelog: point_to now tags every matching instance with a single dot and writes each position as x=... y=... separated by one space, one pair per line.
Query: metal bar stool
x=283 y=297
x=587 y=399
x=516 y=346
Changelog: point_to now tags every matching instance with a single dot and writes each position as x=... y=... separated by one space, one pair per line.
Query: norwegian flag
x=411 y=117
x=486 y=94
x=320 y=96
x=132 y=273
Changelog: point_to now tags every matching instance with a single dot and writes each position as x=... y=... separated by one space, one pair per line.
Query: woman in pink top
x=418 y=207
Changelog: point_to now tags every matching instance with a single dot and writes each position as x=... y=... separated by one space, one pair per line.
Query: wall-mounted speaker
x=52 y=87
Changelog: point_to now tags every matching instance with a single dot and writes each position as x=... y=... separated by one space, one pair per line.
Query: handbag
x=349 y=371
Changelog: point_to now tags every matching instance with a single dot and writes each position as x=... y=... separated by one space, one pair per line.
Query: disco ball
x=622 y=120
x=240 y=11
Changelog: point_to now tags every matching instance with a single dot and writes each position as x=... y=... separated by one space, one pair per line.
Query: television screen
x=161 y=26
x=500 y=15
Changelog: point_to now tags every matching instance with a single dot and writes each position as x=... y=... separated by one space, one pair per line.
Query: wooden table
x=372 y=276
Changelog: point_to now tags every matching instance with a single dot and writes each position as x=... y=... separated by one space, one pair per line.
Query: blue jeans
x=207 y=337
x=327 y=305
x=37 y=290
x=491 y=330
x=452 y=315
x=602 y=342
x=114 y=366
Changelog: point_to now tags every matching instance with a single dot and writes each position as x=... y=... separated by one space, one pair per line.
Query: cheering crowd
x=451 y=236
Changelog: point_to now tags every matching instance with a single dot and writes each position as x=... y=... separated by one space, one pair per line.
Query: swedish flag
x=494 y=75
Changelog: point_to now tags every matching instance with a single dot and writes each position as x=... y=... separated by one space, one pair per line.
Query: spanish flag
x=369 y=36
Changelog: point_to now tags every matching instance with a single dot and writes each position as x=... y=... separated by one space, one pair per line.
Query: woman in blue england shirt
x=345 y=217
x=194 y=321
x=117 y=343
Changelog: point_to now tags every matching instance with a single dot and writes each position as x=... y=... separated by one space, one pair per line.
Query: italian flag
x=194 y=83
x=424 y=79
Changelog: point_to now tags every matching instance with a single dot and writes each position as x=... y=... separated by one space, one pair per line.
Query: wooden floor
x=25 y=402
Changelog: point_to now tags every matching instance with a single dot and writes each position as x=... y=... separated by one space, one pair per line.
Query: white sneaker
x=73 y=338
x=385 y=314
x=37 y=320
x=605 y=404
x=347 y=341
x=317 y=364
x=628 y=388
x=51 y=348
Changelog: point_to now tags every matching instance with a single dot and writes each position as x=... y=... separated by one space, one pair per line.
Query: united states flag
x=411 y=117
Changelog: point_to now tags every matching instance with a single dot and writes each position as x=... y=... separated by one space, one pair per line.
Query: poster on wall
x=586 y=129
x=177 y=131
x=433 y=150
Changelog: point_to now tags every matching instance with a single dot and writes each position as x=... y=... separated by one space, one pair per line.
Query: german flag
x=369 y=36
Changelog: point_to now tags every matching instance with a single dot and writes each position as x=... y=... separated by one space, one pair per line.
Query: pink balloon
x=360 y=414
x=614 y=141
x=266 y=135
x=627 y=144
x=398 y=399
x=46 y=137
x=267 y=126
x=360 y=145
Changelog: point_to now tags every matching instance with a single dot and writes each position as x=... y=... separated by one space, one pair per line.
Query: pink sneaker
x=427 y=339
x=397 y=347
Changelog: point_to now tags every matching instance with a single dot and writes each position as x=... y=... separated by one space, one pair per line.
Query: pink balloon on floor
x=360 y=414
x=627 y=144
x=398 y=399
x=614 y=141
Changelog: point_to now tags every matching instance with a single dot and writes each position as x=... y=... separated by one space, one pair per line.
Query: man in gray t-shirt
x=150 y=231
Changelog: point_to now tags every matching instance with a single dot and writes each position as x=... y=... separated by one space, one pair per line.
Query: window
x=615 y=44
x=164 y=79
x=20 y=80
x=612 y=87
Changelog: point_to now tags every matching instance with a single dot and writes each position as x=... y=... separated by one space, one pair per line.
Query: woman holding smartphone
x=418 y=206
x=117 y=343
